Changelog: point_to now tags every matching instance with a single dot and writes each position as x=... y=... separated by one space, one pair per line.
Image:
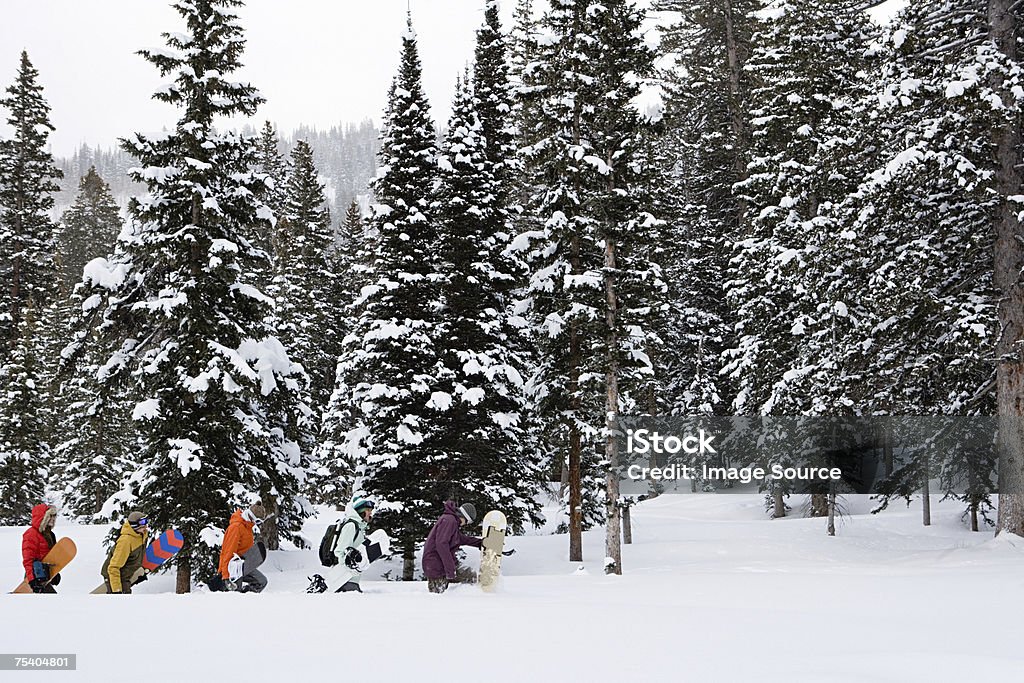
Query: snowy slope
x=712 y=592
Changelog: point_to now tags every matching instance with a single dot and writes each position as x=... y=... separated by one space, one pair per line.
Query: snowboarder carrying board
x=346 y=538
x=36 y=543
x=240 y=546
x=126 y=555
x=444 y=539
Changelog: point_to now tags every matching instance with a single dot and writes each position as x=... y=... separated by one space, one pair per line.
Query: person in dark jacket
x=126 y=555
x=35 y=544
x=444 y=539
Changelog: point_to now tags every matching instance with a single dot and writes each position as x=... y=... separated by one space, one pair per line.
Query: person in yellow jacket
x=127 y=554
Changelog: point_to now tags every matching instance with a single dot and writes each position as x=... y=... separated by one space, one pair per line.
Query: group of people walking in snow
x=241 y=555
x=120 y=565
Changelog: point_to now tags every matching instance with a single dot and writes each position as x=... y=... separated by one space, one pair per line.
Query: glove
x=55 y=580
x=40 y=571
x=352 y=559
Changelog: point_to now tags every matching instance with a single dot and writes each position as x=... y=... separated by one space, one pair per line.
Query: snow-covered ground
x=712 y=591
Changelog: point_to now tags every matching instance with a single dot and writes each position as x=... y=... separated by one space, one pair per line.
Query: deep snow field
x=712 y=591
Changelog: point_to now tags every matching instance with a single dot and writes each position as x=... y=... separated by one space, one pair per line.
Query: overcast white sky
x=318 y=62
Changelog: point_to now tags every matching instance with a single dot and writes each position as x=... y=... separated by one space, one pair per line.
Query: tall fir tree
x=585 y=156
x=270 y=162
x=27 y=184
x=217 y=402
x=932 y=308
x=379 y=422
x=29 y=280
x=303 y=274
x=702 y=154
x=798 y=171
x=88 y=229
x=481 y=399
x=24 y=452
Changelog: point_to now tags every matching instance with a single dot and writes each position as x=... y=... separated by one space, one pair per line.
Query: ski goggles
x=140 y=523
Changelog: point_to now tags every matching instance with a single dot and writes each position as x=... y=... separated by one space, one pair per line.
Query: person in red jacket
x=239 y=540
x=35 y=544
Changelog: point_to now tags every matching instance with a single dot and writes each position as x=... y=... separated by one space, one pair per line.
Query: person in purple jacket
x=444 y=539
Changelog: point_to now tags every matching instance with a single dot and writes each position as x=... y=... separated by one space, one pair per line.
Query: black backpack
x=329 y=542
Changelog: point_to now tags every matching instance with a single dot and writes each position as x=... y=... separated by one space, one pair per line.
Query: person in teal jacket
x=344 y=576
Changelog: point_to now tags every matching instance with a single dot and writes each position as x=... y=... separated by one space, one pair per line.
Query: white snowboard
x=494 y=526
x=375 y=546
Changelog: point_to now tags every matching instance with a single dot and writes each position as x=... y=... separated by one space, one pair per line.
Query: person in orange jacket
x=239 y=541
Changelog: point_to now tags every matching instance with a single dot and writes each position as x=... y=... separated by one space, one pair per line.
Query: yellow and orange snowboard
x=60 y=556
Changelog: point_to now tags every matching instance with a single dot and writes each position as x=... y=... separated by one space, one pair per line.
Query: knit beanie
x=134 y=518
x=468 y=511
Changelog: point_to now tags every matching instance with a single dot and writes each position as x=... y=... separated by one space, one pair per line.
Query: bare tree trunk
x=832 y=510
x=974 y=516
x=613 y=549
x=270 y=529
x=627 y=526
x=408 y=561
x=15 y=294
x=575 y=445
x=183 y=582
x=1008 y=262
x=575 y=497
x=780 y=503
x=887 y=448
x=563 y=480
x=736 y=107
x=819 y=504
x=926 y=499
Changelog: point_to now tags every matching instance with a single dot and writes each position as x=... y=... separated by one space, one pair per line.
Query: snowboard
x=375 y=546
x=255 y=556
x=59 y=556
x=494 y=525
x=160 y=550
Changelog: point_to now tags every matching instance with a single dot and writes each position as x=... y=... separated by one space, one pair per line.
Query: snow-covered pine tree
x=304 y=277
x=86 y=442
x=593 y=284
x=799 y=110
x=702 y=155
x=482 y=417
x=96 y=445
x=24 y=452
x=621 y=180
x=566 y=298
x=271 y=163
x=28 y=283
x=216 y=399
x=349 y=271
x=27 y=183
x=379 y=422
x=791 y=322
x=349 y=261
x=88 y=229
x=930 y=307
